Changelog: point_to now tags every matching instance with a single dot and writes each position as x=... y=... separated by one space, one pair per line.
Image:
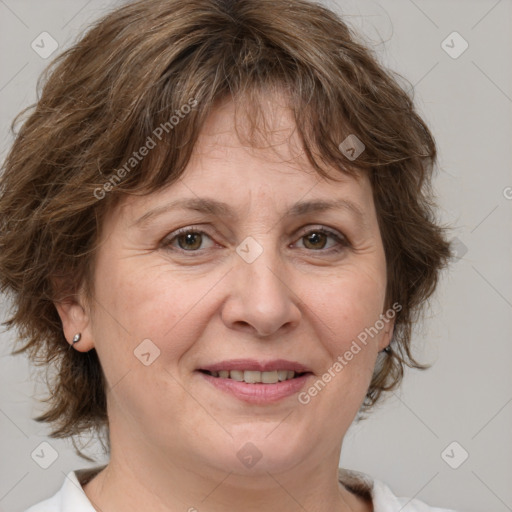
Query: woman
x=217 y=222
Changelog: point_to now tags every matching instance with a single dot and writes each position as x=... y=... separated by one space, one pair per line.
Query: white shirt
x=71 y=497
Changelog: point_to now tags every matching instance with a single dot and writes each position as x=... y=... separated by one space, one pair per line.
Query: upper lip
x=254 y=365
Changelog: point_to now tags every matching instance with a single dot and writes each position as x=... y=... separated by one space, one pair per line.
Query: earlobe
x=386 y=338
x=75 y=324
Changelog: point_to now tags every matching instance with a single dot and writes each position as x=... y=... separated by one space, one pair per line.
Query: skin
x=174 y=436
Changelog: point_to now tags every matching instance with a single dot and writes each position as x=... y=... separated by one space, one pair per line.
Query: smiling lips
x=257 y=381
x=253 y=377
x=253 y=371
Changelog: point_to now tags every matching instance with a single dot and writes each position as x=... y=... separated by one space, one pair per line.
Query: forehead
x=238 y=165
x=265 y=128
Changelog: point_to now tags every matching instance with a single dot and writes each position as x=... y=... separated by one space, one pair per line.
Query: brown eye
x=315 y=240
x=186 y=240
x=189 y=241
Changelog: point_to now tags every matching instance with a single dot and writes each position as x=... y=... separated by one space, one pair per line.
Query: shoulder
x=381 y=496
x=70 y=497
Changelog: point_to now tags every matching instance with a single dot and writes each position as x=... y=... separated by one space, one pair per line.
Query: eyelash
x=342 y=242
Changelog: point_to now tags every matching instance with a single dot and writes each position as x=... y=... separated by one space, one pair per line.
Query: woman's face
x=254 y=278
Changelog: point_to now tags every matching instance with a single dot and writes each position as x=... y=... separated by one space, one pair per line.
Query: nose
x=261 y=302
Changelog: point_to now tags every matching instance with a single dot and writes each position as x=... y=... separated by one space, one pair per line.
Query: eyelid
x=342 y=241
x=167 y=241
x=323 y=229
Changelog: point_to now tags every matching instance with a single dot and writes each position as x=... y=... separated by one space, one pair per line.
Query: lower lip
x=259 y=393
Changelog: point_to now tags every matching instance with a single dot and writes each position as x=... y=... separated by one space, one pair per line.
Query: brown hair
x=130 y=73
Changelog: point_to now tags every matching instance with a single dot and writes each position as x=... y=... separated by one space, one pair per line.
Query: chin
x=262 y=449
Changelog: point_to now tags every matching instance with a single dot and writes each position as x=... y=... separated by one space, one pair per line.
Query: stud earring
x=77 y=338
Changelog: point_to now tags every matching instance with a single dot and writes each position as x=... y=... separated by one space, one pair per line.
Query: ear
x=387 y=333
x=75 y=317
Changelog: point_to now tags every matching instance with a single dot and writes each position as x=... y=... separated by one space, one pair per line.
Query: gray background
x=467 y=396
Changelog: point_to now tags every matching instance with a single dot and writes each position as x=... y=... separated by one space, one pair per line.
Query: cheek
x=345 y=312
x=350 y=304
x=139 y=304
x=149 y=302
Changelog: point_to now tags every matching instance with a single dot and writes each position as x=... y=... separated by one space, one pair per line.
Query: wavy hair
x=130 y=73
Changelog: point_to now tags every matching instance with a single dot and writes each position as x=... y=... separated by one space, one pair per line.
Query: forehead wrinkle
x=219 y=209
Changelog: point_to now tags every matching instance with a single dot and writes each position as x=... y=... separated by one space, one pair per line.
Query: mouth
x=256 y=377
x=257 y=382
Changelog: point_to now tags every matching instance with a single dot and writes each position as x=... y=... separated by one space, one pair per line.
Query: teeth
x=269 y=377
x=254 y=377
x=282 y=375
x=236 y=375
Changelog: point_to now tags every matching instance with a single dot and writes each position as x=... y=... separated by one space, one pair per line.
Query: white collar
x=72 y=498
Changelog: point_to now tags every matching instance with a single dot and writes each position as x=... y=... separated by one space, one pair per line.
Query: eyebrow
x=220 y=209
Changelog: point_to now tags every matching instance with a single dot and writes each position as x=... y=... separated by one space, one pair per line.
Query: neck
x=132 y=482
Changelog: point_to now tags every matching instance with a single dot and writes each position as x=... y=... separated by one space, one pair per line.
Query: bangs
x=240 y=56
x=120 y=113
x=157 y=156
